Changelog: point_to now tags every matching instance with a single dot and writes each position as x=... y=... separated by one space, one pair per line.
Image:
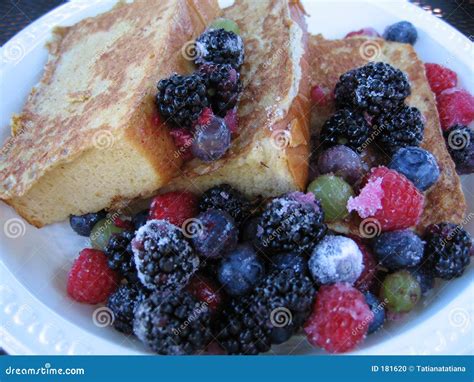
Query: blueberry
x=342 y=161
x=211 y=141
x=83 y=224
x=240 y=270
x=399 y=249
x=377 y=309
x=403 y=31
x=289 y=260
x=140 y=219
x=417 y=165
x=424 y=278
x=216 y=233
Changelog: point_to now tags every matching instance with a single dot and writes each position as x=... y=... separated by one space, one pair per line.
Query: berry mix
x=200 y=108
x=218 y=273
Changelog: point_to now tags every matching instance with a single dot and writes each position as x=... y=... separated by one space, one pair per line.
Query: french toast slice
x=269 y=156
x=87 y=136
x=445 y=200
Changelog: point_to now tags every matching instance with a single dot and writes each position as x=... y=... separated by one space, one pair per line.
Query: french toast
x=269 y=156
x=331 y=58
x=87 y=136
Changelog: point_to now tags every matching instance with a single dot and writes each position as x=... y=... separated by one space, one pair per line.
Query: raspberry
x=366 y=278
x=340 y=318
x=390 y=198
x=455 y=106
x=205 y=290
x=232 y=120
x=440 y=78
x=90 y=279
x=183 y=139
x=368 y=31
x=321 y=96
x=175 y=207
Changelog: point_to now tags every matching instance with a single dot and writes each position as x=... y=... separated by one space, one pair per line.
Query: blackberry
x=120 y=255
x=460 y=144
x=345 y=127
x=291 y=223
x=181 y=99
x=165 y=261
x=239 y=332
x=226 y=198
x=401 y=128
x=218 y=46
x=140 y=218
x=175 y=323
x=375 y=88
x=223 y=86
x=446 y=250
x=282 y=303
x=122 y=303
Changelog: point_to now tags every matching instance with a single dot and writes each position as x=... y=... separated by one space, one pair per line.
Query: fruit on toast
x=88 y=136
x=444 y=201
x=269 y=154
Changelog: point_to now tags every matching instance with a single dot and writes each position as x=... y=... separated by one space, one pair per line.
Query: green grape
x=400 y=291
x=333 y=192
x=227 y=24
x=102 y=231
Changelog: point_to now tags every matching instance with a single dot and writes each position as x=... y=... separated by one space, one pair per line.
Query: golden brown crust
x=99 y=83
x=270 y=32
x=445 y=200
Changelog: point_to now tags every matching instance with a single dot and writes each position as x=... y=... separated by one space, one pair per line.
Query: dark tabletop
x=17 y=14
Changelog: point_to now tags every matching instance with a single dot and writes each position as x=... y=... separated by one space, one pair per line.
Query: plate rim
x=11 y=53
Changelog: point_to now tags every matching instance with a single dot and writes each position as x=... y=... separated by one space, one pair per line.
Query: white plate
x=36 y=315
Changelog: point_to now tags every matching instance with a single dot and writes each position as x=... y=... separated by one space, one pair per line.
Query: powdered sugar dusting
x=369 y=201
x=336 y=259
